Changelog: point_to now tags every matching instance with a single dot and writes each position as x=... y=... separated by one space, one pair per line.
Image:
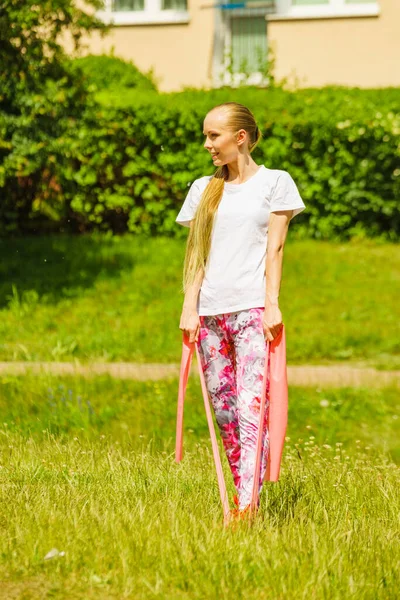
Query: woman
x=231 y=281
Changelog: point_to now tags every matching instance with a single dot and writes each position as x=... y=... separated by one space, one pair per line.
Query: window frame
x=152 y=14
x=221 y=74
x=236 y=78
x=335 y=9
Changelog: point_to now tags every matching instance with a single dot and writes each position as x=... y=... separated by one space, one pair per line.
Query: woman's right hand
x=190 y=323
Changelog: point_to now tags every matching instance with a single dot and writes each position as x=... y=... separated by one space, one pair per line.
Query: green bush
x=40 y=95
x=108 y=72
x=127 y=168
x=89 y=144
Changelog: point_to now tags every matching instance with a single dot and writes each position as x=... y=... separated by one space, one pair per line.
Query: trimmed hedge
x=108 y=72
x=127 y=167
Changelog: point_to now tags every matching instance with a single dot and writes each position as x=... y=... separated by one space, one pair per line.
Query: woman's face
x=223 y=145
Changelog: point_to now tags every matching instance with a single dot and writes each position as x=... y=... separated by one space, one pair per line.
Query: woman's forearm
x=273 y=274
x=192 y=292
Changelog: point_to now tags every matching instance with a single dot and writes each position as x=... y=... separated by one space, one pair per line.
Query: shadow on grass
x=59 y=266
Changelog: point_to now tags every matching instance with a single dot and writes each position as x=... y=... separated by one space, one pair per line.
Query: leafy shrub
x=127 y=168
x=110 y=71
x=121 y=159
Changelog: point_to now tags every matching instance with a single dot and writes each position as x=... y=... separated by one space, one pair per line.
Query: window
x=328 y=8
x=240 y=42
x=174 y=5
x=129 y=5
x=142 y=12
x=249 y=44
x=126 y=5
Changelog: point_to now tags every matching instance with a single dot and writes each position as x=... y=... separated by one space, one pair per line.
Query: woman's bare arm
x=191 y=295
x=190 y=320
x=277 y=232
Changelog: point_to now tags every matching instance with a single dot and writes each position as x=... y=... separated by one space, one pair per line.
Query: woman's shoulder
x=197 y=187
x=274 y=174
x=274 y=179
x=201 y=182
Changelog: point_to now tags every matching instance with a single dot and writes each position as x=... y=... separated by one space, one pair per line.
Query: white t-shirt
x=235 y=275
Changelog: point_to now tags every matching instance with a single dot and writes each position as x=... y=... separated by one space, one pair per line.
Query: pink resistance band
x=276 y=422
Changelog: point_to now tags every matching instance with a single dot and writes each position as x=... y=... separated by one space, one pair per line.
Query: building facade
x=205 y=43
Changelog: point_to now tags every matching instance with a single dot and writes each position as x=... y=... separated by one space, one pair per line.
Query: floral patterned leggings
x=232 y=350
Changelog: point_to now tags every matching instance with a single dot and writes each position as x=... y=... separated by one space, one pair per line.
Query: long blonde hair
x=199 y=237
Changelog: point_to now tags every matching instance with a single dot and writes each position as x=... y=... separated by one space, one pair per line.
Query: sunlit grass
x=138 y=523
x=88 y=468
x=119 y=299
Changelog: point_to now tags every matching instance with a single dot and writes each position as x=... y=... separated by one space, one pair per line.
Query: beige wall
x=181 y=54
x=356 y=51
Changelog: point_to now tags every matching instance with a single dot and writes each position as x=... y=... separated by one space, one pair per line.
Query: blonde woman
x=238 y=219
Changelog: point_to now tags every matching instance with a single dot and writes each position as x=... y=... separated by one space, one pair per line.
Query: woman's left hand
x=272 y=322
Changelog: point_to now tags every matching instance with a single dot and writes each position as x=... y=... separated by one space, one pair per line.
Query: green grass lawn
x=88 y=467
x=119 y=299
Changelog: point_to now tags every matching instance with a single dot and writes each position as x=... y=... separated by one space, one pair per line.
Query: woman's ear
x=241 y=136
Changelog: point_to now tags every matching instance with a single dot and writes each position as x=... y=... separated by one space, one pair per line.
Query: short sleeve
x=286 y=196
x=189 y=206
